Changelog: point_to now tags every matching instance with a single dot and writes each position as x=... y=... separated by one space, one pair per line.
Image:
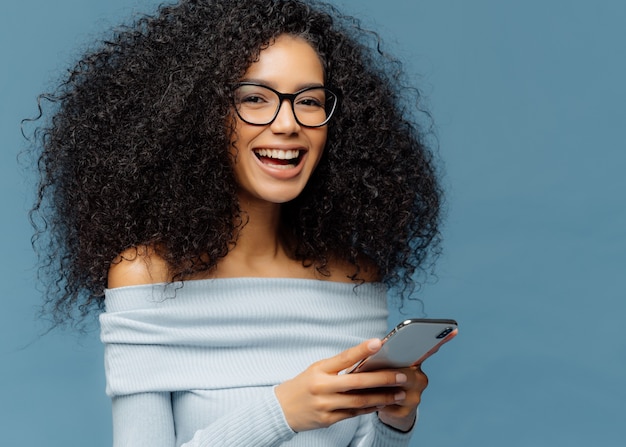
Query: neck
x=260 y=237
x=262 y=251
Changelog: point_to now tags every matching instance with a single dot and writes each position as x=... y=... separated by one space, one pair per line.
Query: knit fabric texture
x=194 y=363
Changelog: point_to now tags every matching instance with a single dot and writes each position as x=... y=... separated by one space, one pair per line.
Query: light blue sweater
x=195 y=363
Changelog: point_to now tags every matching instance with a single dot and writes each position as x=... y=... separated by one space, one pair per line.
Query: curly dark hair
x=135 y=151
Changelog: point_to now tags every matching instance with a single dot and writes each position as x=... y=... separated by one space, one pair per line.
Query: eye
x=315 y=98
x=251 y=99
x=311 y=102
x=254 y=96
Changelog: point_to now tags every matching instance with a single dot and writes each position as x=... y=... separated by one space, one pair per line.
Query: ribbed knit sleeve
x=195 y=363
x=146 y=420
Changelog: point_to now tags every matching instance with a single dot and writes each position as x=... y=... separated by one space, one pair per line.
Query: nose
x=285 y=121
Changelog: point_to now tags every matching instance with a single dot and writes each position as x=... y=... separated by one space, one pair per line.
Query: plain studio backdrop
x=529 y=103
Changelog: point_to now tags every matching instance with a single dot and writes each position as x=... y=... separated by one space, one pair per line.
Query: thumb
x=350 y=356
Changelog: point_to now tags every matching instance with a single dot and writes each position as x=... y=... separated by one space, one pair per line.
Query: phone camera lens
x=444 y=332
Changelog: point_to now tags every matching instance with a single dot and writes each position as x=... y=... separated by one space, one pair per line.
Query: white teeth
x=279 y=154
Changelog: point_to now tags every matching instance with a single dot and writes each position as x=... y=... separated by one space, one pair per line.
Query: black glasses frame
x=291 y=98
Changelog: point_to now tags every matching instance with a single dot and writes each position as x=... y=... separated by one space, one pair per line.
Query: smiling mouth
x=279 y=159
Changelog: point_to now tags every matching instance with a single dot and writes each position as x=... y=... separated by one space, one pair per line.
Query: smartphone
x=409 y=343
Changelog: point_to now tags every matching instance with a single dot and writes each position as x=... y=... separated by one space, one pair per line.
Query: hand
x=401 y=415
x=320 y=396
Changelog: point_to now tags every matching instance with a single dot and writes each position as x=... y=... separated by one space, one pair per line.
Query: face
x=274 y=162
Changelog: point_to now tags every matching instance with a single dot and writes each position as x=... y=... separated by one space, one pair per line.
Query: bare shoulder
x=136 y=266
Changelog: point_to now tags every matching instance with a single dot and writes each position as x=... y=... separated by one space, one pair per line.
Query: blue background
x=529 y=103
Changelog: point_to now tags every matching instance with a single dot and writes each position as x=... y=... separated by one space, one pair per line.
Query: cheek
x=324 y=138
x=319 y=138
x=320 y=141
x=232 y=131
x=240 y=136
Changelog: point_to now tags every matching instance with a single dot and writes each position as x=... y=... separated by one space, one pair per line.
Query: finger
x=377 y=398
x=350 y=356
x=373 y=380
x=341 y=414
x=415 y=386
x=418 y=378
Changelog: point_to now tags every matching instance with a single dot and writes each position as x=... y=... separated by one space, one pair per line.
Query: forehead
x=289 y=63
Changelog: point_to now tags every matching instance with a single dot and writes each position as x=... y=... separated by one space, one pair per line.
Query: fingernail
x=401 y=378
x=399 y=395
x=373 y=344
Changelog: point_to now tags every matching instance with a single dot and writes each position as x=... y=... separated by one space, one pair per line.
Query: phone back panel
x=410 y=343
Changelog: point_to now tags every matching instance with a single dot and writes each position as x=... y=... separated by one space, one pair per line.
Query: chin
x=280 y=198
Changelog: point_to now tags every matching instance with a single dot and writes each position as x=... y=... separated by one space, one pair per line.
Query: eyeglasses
x=259 y=104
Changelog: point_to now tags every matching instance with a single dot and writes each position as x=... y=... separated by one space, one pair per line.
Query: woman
x=236 y=182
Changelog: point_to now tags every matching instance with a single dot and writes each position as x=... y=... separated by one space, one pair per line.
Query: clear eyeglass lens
x=257 y=104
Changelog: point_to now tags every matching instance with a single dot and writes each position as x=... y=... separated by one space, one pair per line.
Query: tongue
x=275 y=161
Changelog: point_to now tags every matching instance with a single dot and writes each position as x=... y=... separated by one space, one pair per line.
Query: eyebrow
x=273 y=85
